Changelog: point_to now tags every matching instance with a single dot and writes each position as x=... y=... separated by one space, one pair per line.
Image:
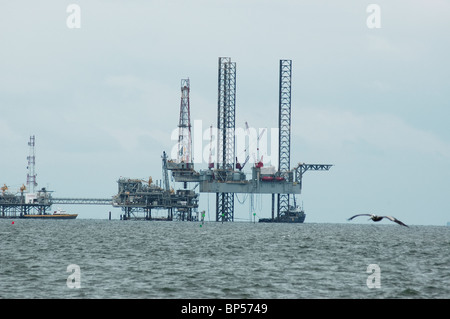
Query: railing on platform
x=85 y=201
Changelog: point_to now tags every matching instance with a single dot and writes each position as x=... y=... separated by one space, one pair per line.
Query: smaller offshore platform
x=28 y=203
x=138 y=198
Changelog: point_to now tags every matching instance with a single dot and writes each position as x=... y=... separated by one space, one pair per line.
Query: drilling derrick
x=183 y=167
x=226 y=139
x=284 y=125
x=184 y=136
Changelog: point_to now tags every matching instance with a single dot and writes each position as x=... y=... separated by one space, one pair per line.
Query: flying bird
x=376 y=218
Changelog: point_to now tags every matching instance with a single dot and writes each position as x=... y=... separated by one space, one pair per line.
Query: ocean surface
x=88 y=258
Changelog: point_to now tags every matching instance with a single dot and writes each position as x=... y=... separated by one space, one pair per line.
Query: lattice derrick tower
x=284 y=125
x=184 y=127
x=226 y=134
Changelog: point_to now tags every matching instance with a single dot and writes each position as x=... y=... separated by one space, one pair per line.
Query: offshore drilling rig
x=227 y=178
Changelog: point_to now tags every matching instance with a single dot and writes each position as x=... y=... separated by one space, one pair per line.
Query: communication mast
x=31 y=176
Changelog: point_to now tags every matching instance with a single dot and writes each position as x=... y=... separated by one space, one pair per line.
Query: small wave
x=409 y=292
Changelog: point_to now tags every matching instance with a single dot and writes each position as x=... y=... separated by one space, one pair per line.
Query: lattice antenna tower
x=184 y=126
x=31 y=176
x=284 y=125
x=226 y=133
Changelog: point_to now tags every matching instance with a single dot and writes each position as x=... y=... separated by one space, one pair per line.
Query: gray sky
x=103 y=99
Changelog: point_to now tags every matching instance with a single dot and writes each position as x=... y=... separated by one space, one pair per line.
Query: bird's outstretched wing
x=395 y=220
x=359 y=215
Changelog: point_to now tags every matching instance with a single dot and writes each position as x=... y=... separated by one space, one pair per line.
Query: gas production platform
x=225 y=178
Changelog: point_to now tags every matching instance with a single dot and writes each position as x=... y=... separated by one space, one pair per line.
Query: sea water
x=88 y=258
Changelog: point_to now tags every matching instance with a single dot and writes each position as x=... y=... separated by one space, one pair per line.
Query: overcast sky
x=103 y=99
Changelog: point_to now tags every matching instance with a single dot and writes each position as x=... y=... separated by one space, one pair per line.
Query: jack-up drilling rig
x=227 y=178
